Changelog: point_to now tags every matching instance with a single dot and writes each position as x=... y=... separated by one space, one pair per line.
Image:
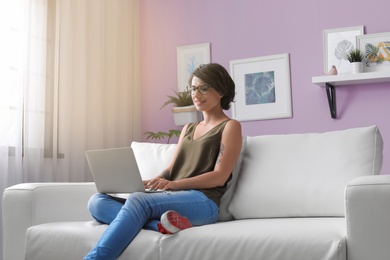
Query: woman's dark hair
x=217 y=77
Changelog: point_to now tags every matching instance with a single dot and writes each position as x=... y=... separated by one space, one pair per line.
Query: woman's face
x=206 y=101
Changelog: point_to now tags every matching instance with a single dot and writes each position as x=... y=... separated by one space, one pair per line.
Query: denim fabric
x=143 y=210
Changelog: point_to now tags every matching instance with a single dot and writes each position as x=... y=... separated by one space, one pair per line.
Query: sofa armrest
x=368 y=217
x=29 y=204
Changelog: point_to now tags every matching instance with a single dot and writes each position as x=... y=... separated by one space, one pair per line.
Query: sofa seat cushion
x=295 y=238
x=271 y=239
x=73 y=240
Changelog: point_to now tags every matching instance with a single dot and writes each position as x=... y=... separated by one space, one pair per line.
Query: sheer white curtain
x=98 y=95
x=69 y=82
x=22 y=89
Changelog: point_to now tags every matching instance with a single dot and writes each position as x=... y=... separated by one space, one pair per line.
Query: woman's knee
x=95 y=200
x=103 y=207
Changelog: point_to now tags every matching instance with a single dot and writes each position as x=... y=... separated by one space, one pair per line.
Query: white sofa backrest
x=303 y=175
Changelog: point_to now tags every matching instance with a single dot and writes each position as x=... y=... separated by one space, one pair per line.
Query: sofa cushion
x=152 y=158
x=270 y=239
x=316 y=238
x=73 y=240
x=303 y=175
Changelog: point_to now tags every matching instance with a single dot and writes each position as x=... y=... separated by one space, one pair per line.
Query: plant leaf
x=181 y=99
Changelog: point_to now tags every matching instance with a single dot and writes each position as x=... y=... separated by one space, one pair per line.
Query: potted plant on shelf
x=355 y=57
x=183 y=110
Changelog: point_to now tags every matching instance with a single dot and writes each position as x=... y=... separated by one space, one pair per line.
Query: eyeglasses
x=203 y=89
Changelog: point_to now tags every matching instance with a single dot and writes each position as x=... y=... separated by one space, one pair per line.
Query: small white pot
x=357 y=67
x=184 y=115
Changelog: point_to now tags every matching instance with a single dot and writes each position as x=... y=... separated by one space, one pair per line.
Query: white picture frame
x=337 y=43
x=263 y=89
x=189 y=57
x=379 y=41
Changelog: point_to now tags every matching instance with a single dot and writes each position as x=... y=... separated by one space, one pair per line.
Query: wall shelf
x=330 y=83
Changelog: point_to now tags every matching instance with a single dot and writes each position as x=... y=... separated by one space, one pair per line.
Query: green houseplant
x=183 y=110
x=355 y=57
x=181 y=99
x=162 y=135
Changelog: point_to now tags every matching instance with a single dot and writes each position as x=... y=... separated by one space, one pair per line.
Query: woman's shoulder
x=233 y=126
x=233 y=123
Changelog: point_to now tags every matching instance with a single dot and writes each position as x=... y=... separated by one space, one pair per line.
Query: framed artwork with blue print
x=189 y=58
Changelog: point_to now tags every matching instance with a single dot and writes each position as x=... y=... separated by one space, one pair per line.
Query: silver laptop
x=115 y=170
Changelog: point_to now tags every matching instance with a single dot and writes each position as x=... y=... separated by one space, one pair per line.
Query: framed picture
x=377 y=51
x=189 y=57
x=263 y=88
x=337 y=43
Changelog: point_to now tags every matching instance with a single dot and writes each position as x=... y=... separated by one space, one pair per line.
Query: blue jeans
x=143 y=210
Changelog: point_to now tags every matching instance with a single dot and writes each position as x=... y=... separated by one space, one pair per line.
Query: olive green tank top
x=199 y=156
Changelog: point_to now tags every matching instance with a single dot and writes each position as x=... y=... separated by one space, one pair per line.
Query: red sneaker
x=171 y=222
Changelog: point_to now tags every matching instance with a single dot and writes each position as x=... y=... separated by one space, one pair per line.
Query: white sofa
x=299 y=196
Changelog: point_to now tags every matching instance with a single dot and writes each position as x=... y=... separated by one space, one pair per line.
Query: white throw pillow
x=152 y=158
x=303 y=175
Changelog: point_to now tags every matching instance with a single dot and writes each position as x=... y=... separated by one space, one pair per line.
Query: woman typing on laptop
x=195 y=180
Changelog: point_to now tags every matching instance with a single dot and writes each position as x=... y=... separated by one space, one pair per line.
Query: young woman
x=195 y=180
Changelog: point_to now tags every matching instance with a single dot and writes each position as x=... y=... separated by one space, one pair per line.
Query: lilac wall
x=253 y=28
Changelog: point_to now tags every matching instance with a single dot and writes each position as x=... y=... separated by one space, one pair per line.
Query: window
x=26 y=76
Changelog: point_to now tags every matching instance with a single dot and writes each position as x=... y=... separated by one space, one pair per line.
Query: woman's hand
x=146 y=183
x=160 y=184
